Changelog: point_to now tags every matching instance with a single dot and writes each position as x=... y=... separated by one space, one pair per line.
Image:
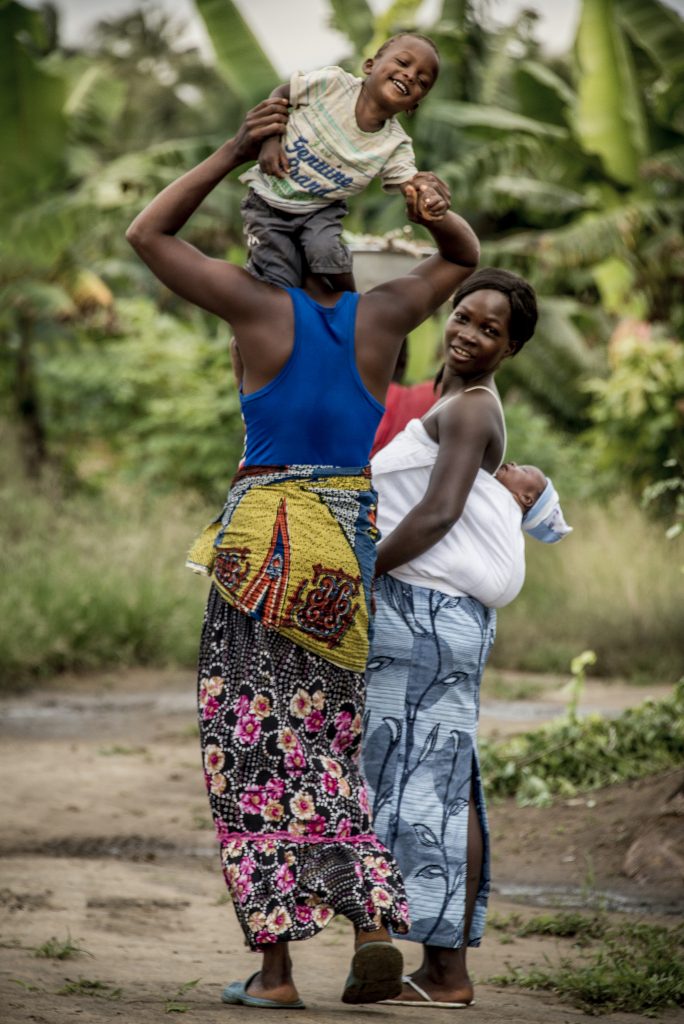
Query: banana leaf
x=32 y=125
x=242 y=63
x=608 y=116
x=540 y=196
x=456 y=12
x=551 y=368
x=38 y=300
x=542 y=93
x=475 y=115
x=591 y=237
x=657 y=29
x=667 y=164
x=39 y=235
x=399 y=16
x=354 y=19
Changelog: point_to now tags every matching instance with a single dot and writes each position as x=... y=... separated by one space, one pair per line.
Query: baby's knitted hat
x=544 y=520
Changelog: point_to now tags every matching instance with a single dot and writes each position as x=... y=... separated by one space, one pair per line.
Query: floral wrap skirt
x=420 y=756
x=281 y=729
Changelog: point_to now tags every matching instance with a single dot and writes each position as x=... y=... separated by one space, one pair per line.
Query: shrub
x=613 y=586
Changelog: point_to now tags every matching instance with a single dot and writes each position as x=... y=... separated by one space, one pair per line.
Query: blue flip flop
x=237 y=995
x=376 y=973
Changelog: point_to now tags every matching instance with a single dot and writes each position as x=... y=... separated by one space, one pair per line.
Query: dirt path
x=105 y=836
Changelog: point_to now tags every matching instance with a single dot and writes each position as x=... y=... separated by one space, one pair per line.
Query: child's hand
x=411 y=197
x=433 y=195
x=431 y=204
x=272 y=158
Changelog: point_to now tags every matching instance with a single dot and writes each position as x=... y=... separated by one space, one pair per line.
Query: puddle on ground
x=131 y=847
x=65 y=717
x=584 y=899
x=147 y=848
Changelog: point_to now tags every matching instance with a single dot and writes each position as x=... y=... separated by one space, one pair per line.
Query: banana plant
x=33 y=128
x=47 y=280
x=579 y=174
x=240 y=59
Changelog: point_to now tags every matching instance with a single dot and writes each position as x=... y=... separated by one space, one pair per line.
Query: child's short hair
x=413 y=35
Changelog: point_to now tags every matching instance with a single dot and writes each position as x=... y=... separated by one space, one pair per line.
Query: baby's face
x=524 y=482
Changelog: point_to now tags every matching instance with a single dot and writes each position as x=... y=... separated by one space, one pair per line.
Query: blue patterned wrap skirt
x=420 y=756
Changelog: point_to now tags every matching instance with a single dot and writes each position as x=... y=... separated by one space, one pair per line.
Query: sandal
x=375 y=973
x=236 y=994
x=425 y=997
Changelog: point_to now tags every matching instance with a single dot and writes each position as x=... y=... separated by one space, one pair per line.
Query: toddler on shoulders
x=342 y=132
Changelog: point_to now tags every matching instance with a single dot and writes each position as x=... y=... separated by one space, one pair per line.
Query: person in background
x=403 y=402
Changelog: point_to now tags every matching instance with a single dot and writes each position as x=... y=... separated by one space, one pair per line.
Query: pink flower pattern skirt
x=281 y=730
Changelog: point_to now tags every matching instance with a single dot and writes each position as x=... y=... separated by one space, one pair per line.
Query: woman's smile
x=477 y=332
x=459 y=352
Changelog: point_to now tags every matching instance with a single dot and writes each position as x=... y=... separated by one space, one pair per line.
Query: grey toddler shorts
x=279 y=242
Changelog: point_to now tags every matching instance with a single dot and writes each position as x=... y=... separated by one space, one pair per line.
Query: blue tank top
x=317 y=411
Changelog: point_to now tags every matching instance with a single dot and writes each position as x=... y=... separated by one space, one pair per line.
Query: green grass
x=565 y=924
x=614 y=585
x=27 y=986
x=172 y=1003
x=497 y=686
x=637 y=968
x=94 y=581
x=89 y=987
x=60 y=949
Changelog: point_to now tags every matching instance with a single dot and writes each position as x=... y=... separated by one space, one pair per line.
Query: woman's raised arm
x=390 y=311
x=213 y=284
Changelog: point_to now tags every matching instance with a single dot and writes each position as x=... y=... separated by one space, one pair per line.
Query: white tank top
x=483 y=554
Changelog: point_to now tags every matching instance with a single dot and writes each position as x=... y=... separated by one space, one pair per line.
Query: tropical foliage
x=570 y=168
x=638 y=409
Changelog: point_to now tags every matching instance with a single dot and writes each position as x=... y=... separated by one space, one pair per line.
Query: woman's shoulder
x=470 y=405
x=473 y=421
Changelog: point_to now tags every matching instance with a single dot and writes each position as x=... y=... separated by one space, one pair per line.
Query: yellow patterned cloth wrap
x=295 y=548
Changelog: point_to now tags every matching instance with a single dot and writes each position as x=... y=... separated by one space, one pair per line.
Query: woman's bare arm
x=213 y=284
x=466 y=427
x=390 y=311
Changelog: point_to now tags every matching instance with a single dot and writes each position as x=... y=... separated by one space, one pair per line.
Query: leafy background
x=120 y=422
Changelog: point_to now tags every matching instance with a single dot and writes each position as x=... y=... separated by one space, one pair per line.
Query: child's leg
x=324 y=249
x=271 y=238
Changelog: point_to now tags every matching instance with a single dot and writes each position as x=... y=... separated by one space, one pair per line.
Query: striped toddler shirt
x=330 y=157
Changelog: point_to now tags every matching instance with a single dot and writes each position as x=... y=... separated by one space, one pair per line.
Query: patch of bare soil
x=584 y=851
x=105 y=838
